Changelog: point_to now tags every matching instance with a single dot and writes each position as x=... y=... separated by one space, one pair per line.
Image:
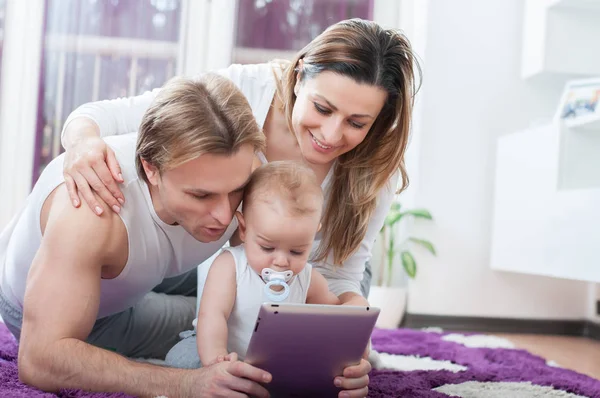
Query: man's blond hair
x=191 y=117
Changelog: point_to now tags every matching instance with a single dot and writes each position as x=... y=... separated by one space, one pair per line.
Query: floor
x=576 y=353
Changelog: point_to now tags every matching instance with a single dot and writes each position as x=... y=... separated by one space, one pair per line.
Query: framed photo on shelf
x=579 y=103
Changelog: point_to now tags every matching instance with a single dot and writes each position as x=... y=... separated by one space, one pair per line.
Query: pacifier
x=276 y=278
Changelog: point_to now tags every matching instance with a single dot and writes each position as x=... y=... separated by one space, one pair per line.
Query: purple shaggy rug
x=433 y=365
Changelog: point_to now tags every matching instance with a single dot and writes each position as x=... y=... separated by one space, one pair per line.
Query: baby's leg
x=185 y=353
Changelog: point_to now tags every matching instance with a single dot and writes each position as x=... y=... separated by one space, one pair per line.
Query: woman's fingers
x=98 y=185
x=113 y=166
x=93 y=166
x=108 y=190
x=72 y=190
x=86 y=193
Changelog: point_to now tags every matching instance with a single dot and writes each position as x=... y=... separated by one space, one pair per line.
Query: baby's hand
x=231 y=357
x=219 y=359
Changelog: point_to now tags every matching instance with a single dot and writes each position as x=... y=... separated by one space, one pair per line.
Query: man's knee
x=182 y=285
x=11 y=316
x=13 y=329
x=147 y=330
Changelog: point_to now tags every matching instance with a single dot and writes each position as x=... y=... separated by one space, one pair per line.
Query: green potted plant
x=396 y=250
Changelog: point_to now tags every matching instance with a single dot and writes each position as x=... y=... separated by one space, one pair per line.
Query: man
x=72 y=282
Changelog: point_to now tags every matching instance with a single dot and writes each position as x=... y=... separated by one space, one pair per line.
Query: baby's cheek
x=257 y=260
x=299 y=265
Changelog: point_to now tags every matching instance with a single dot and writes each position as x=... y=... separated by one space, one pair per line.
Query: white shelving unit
x=546 y=218
x=578 y=121
x=590 y=5
x=560 y=39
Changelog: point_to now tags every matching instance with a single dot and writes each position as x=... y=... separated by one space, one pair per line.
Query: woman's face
x=333 y=114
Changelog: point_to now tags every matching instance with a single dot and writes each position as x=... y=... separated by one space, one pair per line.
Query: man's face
x=202 y=195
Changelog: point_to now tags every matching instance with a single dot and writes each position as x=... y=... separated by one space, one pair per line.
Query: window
x=100 y=49
x=268 y=29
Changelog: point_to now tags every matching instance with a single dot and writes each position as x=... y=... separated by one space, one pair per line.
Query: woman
x=342 y=106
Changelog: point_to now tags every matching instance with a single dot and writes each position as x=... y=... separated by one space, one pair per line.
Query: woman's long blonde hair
x=369 y=54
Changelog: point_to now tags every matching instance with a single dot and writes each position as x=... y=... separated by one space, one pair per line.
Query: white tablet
x=305 y=346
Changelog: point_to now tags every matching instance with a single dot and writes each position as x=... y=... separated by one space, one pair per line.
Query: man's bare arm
x=60 y=309
x=61 y=305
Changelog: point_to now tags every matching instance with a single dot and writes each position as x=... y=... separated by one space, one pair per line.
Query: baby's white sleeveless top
x=250 y=296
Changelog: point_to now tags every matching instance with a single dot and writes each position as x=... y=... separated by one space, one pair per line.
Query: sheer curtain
x=104 y=49
x=100 y=49
x=2 y=17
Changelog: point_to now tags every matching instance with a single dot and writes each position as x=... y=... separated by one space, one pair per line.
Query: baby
x=281 y=215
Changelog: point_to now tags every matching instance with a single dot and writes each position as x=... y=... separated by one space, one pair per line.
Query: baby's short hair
x=292 y=182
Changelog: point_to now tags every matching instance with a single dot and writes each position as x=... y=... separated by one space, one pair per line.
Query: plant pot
x=392 y=302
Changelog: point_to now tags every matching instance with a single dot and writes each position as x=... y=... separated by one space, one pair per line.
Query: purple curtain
x=291 y=24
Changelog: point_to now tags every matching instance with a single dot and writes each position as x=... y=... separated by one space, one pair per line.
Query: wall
x=593 y=297
x=472 y=94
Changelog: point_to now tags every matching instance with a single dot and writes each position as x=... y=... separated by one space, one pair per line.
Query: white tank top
x=156 y=250
x=250 y=296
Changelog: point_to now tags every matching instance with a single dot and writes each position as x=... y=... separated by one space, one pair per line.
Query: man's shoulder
x=80 y=228
x=124 y=147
